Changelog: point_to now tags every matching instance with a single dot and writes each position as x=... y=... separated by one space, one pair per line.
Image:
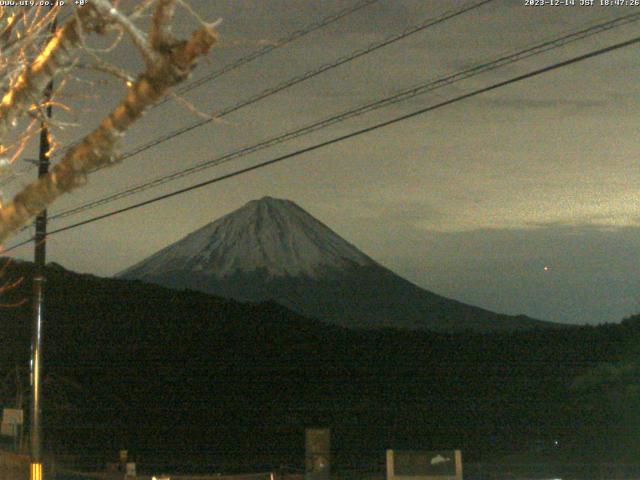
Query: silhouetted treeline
x=187 y=378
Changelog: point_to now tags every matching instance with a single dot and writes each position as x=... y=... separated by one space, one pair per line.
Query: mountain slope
x=272 y=249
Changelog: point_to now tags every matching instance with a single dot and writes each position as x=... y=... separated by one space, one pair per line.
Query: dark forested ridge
x=181 y=377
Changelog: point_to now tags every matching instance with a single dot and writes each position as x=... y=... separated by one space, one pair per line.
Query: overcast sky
x=471 y=201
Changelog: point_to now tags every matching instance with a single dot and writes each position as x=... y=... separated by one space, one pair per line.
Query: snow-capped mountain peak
x=271 y=235
x=272 y=250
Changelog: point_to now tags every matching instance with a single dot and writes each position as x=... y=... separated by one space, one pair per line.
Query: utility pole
x=39 y=280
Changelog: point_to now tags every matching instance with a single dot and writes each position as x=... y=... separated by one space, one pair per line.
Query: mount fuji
x=271 y=249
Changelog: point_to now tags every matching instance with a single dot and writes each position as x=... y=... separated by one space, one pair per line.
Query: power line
x=302 y=78
x=420 y=89
x=295 y=35
x=299 y=79
x=279 y=43
x=306 y=76
x=341 y=138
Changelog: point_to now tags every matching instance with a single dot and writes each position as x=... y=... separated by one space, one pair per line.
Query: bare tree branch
x=173 y=61
x=33 y=79
x=160 y=35
x=139 y=39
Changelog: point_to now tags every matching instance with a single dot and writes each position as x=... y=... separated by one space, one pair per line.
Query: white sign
x=424 y=465
x=12 y=415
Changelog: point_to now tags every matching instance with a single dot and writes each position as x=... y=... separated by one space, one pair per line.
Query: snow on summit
x=269 y=234
x=272 y=250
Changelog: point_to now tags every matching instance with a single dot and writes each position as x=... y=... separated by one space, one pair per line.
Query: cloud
x=593 y=275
